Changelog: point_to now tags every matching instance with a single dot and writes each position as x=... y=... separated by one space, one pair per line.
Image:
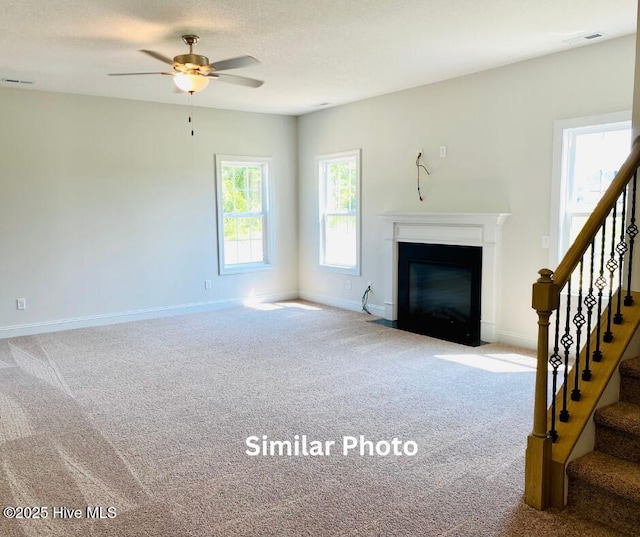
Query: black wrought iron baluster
x=555 y=362
x=621 y=249
x=590 y=301
x=578 y=321
x=567 y=343
x=632 y=231
x=601 y=283
x=612 y=266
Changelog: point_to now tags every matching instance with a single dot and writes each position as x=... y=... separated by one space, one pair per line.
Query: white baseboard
x=517 y=340
x=57 y=325
x=342 y=303
x=135 y=315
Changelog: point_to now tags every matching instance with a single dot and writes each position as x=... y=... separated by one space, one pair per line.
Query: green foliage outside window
x=341 y=186
x=242 y=202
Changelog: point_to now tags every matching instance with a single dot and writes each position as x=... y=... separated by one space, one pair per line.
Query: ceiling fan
x=192 y=72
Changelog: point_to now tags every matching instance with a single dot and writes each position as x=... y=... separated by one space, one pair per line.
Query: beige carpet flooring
x=150 y=418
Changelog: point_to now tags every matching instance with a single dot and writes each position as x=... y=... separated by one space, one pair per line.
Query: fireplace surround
x=481 y=230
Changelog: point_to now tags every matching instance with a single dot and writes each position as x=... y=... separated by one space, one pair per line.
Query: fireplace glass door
x=439 y=291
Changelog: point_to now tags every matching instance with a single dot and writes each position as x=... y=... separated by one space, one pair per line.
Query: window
x=243 y=213
x=587 y=155
x=339 y=211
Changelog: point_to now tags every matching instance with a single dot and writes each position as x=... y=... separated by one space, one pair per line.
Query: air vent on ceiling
x=16 y=81
x=582 y=38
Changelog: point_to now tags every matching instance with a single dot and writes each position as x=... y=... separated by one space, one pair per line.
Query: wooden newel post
x=538 y=460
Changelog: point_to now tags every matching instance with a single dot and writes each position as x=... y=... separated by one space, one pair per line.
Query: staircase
x=604 y=485
x=588 y=315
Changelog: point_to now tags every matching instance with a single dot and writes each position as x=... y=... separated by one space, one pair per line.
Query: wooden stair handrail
x=598 y=216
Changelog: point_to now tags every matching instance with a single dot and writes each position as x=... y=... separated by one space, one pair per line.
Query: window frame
x=559 y=225
x=265 y=163
x=322 y=162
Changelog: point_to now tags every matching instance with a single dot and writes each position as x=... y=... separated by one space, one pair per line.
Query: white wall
x=498 y=128
x=108 y=206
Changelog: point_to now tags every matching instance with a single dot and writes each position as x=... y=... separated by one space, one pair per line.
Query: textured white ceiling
x=312 y=51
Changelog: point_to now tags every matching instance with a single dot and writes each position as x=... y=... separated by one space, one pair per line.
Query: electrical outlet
x=369 y=285
x=207 y=284
x=21 y=303
x=443 y=151
x=348 y=284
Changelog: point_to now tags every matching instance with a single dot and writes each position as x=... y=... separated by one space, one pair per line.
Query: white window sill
x=352 y=271
x=245 y=268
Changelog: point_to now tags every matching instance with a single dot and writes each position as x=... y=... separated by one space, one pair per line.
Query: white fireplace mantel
x=463 y=229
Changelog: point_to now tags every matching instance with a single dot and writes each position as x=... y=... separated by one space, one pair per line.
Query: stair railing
x=598 y=266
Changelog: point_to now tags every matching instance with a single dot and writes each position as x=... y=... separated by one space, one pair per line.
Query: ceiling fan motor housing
x=192 y=61
x=195 y=60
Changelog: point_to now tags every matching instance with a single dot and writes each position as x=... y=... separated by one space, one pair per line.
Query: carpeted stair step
x=606 y=489
x=630 y=381
x=618 y=431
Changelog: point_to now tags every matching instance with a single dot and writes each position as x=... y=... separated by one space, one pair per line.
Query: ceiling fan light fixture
x=190 y=83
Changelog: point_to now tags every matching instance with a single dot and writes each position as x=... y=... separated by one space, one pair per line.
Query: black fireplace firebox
x=439 y=291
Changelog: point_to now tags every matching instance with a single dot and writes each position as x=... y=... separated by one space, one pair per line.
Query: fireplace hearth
x=439 y=291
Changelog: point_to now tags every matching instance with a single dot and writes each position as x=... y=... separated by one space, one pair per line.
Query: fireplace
x=482 y=231
x=439 y=291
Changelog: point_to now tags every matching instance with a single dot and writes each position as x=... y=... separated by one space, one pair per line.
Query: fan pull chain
x=191 y=111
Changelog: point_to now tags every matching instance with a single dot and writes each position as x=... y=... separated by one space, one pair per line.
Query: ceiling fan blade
x=235 y=63
x=158 y=56
x=129 y=74
x=239 y=80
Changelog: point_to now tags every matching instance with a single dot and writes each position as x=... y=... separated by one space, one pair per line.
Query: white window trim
x=558 y=188
x=267 y=205
x=320 y=160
